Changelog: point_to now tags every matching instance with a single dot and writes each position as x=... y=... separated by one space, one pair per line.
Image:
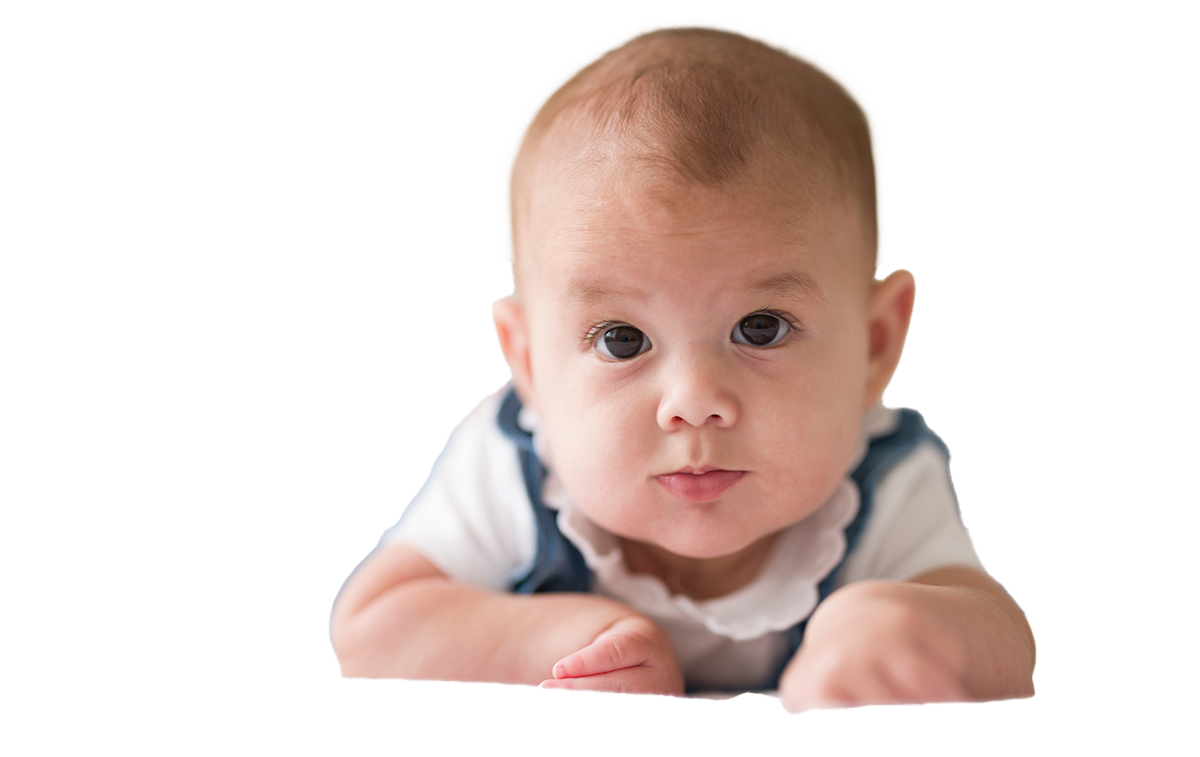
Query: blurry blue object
x=399 y=474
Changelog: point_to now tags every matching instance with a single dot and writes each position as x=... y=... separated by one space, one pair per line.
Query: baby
x=691 y=482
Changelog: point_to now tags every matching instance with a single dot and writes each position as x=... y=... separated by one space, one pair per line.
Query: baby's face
x=699 y=365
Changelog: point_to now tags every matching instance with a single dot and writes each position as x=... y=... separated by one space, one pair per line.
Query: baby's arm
x=952 y=634
x=401 y=617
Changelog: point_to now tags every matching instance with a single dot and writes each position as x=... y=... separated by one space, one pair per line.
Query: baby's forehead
x=591 y=200
x=610 y=241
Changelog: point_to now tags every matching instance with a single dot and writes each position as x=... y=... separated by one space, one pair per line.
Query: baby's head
x=696 y=321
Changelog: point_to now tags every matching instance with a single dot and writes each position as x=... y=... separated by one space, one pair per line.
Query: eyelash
x=597 y=332
x=785 y=317
x=589 y=337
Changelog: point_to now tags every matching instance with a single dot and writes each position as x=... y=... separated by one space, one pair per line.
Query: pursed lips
x=699 y=484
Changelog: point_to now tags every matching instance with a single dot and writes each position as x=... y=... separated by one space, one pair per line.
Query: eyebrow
x=788 y=284
x=586 y=293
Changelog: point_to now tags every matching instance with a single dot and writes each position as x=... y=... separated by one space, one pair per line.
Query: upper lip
x=694 y=470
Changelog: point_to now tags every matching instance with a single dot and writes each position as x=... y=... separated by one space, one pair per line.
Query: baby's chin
x=722 y=548
x=703 y=531
x=718 y=544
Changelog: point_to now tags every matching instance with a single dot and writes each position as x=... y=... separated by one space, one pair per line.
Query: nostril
x=696 y=405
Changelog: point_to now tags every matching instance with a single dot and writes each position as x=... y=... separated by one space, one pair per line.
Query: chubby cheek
x=812 y=432
x=605 y=443
x=602 y=459
x=806 y=467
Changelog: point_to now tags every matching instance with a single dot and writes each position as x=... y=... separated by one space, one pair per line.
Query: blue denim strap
x=558 y=564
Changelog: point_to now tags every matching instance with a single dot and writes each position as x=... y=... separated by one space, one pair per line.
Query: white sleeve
x=914 y=525
x=472 y=519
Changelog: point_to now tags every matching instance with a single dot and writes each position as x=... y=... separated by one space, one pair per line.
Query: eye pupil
x=759 y=328
x=623 y=341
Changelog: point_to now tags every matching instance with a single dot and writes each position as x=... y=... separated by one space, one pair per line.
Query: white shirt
x=474 y=521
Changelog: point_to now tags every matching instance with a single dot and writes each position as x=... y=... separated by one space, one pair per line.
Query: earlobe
x=509 y=317
x=887 y=321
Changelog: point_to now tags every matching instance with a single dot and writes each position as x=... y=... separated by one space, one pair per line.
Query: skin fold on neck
x=699 y=578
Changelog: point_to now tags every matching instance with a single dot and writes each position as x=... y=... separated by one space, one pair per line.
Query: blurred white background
x=423 y=119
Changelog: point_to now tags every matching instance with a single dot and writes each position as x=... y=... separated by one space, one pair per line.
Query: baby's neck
x=694 y=577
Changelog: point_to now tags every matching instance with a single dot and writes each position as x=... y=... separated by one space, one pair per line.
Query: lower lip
x=699 y=487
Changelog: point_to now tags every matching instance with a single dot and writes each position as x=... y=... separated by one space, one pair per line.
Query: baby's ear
x=887 y=321
x=509 y=317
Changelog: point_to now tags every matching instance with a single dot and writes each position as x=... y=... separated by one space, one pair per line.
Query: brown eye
x=622 y=343
x=760 y=330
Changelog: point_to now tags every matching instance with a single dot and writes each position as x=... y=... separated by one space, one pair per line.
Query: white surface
x=408 y=697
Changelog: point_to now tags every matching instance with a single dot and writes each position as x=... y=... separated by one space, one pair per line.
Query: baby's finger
x=849 y=688
x=614 y=650
x=917 y=679
x=635 y=680
x=836 y=680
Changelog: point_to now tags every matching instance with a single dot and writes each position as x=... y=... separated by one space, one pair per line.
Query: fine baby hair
x=713 y=108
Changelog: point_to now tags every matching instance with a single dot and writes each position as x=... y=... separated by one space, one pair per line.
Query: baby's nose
x=695 y=394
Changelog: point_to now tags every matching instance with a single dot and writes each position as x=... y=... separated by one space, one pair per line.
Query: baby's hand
x=878 y=642
x=633 y=656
